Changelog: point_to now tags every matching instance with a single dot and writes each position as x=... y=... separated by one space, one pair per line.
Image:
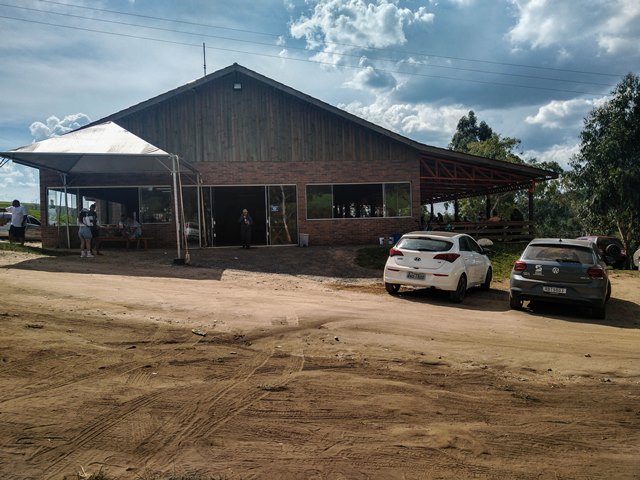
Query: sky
x=531 y=69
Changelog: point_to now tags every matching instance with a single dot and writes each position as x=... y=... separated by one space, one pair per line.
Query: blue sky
x=532 y=69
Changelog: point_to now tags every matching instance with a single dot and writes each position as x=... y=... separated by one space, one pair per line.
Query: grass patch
x=6 y=246
x=373 y=258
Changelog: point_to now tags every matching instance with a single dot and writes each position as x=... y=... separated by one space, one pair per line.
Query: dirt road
x=307 y=369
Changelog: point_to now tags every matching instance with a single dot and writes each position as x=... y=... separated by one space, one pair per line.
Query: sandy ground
x=307 y=369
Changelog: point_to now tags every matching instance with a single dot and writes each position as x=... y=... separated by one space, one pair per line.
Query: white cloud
x=611 y=26
x=563 y=114
x=621 y=30
x=369 y=78
x=561 y=154
x=55 y=127
x=339 y=27
x=437 y=125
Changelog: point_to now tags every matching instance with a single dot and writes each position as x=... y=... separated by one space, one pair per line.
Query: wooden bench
x=125 y=240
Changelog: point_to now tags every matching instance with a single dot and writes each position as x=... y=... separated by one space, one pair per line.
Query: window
x=147 y=204
x=397 y=200
x=155 y=205
x=361 y=200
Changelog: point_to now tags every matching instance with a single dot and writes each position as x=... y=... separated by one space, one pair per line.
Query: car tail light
x=595 y=272
x=394 y=252
x=519 y=266
x=447 y=257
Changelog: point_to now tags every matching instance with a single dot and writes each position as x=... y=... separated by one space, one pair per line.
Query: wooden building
x=303 y=169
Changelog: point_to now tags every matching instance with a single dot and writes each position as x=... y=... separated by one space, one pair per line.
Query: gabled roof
x=444 y=174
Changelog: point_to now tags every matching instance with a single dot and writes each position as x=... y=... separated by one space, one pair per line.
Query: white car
x=447 y=261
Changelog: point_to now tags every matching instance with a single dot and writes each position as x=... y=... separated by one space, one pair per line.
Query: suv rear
x=610 y=248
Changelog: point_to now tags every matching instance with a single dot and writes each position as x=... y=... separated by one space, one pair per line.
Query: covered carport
x=447 y=175
x=107 y=148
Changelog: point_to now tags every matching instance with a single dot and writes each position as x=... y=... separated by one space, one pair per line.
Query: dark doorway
x=228 y=203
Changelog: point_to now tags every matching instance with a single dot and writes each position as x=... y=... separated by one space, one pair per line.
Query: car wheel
x=514 y=302
x=487 y=280
x=392 y=288
x=461 y=290
x=599 y=311
x=608 y=292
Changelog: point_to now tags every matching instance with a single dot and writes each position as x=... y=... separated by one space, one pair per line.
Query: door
x=213 y=220
x=282 y=215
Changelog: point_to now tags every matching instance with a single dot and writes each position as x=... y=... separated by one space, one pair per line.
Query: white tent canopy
x=102 y=148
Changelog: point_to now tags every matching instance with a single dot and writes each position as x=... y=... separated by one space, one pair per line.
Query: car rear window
x=425 y=244
x=559 y=253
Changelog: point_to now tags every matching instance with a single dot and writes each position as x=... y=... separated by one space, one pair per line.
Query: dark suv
x=610 y=248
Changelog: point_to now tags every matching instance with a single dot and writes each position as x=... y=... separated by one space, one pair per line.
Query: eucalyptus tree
x=606 y=170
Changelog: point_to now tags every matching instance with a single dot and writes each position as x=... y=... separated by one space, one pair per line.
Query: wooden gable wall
x=212 y=122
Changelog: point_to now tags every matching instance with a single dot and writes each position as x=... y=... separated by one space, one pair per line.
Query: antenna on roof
x=204 y=57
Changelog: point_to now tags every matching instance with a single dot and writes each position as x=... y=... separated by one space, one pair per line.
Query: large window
x=147 y=204
x=359 y=200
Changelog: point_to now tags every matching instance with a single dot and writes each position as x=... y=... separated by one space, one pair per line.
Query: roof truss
x=444 y=179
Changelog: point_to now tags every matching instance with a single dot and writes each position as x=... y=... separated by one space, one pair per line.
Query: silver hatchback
x=561 y=271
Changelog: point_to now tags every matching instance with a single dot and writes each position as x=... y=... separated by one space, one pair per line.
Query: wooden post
x=456 y=211
x=532 y=230
x=487 y=208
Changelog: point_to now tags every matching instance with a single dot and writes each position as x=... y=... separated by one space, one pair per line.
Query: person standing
x=245 y=222
x=95 y=228
x=84 y=233
x=18 y=221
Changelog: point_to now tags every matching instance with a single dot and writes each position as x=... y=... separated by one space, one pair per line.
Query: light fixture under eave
x=237 y=86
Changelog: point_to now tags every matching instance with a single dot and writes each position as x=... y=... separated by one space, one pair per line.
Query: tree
x=606 y=171
x=555 y=206
x=468 y=131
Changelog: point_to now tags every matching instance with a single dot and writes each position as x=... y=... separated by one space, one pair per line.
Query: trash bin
x=381 y=240
x=303 y=240
x=396 y=237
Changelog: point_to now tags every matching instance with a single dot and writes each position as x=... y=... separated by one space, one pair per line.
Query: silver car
x=561 y=271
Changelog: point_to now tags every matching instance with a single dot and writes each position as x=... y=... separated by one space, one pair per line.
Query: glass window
x=319 y=201
x=397 y=199
x=147 y=204
x=62 y=209
x=359 y=200
x=155 y=205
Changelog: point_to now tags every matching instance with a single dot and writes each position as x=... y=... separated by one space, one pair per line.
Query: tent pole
x=187 y=259
x=175 y=202
x=66 y=207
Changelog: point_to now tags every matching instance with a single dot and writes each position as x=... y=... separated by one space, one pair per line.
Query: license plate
x=554 y=290
x=416 y=276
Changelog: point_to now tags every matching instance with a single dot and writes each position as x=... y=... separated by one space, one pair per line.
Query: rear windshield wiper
x=567 y=260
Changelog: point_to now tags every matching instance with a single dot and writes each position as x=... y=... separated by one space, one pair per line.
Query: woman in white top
x=84 y=232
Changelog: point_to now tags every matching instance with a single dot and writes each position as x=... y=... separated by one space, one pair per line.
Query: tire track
x=215 y=409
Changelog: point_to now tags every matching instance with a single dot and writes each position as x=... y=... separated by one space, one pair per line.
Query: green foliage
x=372 y=257
x=503 y=256
x=606 y=172
x=554 y=204
x=468 y=131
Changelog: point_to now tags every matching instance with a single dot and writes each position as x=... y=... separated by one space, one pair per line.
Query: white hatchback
x=447 y=261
